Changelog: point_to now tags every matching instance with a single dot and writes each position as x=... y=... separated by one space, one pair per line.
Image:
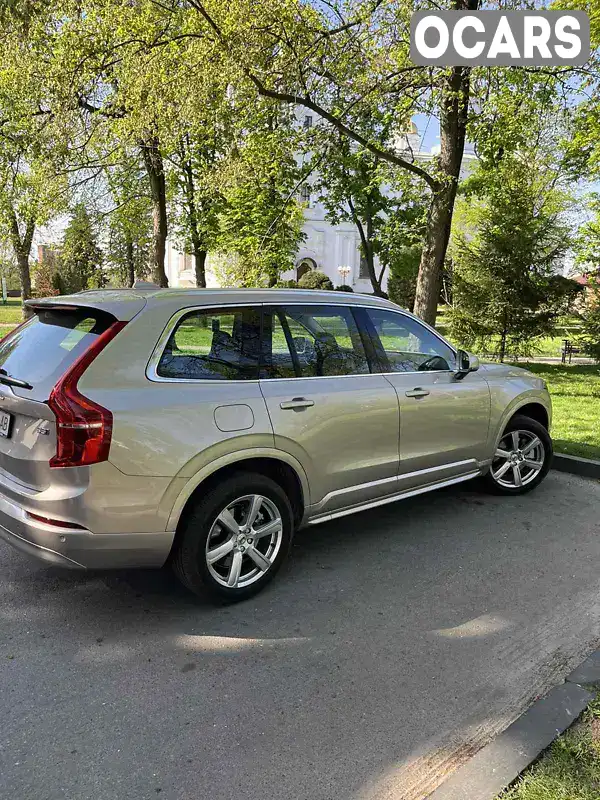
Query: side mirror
x=465 y=363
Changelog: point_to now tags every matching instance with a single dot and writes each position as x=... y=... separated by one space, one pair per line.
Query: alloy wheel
x=518 y=460
x=244 y=541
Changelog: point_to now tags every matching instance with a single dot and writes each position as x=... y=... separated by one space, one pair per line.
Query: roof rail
x=145 y=285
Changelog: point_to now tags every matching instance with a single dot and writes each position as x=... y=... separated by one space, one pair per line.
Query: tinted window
x=41 y=350
x=409 y=346
x=213 y=345
x=311 y=341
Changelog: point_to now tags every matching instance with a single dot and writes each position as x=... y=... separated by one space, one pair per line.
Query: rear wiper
x=10 y=381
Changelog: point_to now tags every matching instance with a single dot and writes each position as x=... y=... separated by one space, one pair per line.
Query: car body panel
x=447 y=426
x=349 y=437
x=362 y=443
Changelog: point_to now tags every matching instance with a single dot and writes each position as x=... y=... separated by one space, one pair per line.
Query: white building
x=326 y=247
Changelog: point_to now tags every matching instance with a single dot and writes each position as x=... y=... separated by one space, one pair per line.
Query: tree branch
x=307 y=102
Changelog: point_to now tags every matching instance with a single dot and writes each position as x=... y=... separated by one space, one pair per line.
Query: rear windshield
x=41 y=351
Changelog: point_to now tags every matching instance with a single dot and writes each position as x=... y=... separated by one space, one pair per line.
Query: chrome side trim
x=393 y=498
x=152 y=365
x=395 y=479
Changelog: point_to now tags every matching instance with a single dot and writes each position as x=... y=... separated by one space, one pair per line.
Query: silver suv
x=202 y=427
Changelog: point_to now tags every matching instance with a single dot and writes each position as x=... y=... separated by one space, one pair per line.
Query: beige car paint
x=361 y=441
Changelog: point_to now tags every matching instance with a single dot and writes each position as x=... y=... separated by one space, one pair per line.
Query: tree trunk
x=200 y=266
x=156 y=175
x=453 y=124
x=129 y=261
x=22 y=248
x=502 y=353
x=366 y=241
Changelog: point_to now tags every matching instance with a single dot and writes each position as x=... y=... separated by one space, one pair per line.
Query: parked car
x=201 y=428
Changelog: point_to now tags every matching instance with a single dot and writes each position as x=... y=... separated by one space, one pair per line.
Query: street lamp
x=344 y=271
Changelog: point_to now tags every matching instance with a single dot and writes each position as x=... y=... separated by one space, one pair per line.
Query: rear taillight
x=83 y=428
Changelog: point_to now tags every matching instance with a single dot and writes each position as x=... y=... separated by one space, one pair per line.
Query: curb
x=586 y=467
x=501 y=761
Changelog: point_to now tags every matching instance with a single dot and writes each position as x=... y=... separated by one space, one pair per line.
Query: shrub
x=315 y=280
x=589 y=338
x=344 y=288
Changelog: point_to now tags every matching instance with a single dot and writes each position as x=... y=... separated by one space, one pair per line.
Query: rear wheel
x=522 y=458
x=235 y=539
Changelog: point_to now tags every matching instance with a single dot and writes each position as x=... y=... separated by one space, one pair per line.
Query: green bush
x=315 y=280
x=344 y=288
x=589 y=337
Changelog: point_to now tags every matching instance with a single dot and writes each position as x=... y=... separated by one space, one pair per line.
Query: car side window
x=219 y=344
x=408 y=346
x=313 y=341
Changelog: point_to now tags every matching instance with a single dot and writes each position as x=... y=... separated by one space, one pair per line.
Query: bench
x=568 y=350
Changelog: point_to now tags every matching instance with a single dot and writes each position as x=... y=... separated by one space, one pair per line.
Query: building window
x=363 y=270
x=308 y=121
x=305 y=193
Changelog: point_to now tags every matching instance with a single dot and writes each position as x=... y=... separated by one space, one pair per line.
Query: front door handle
x=418 y=392
x=297 y=402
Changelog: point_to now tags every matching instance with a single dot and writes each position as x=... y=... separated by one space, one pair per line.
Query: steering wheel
x=433 y=363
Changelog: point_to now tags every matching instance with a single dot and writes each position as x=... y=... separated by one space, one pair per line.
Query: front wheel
x=522 y=458
x=235 y=539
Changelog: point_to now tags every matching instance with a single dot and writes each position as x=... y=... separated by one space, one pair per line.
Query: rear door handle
x=297 y=402
x=418 y=392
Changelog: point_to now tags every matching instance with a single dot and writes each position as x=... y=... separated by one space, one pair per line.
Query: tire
x=242 y=552
x=528 y=431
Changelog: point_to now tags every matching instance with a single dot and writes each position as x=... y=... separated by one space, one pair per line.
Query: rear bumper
x=81 y=549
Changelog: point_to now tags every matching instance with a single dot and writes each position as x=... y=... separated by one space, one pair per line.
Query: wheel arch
x=279 y=466
x=534 y=410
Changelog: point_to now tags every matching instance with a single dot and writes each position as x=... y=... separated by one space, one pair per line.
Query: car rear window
x=42 y=349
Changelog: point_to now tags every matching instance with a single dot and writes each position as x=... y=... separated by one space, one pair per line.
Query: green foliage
x=43 y=277
x=356 y=186
x=314 y=279
x=404 y=269
x=344 y=288
x=261 y=220
x=58 y=284
x=80 y=261
x=507 y=254
x=589 y=336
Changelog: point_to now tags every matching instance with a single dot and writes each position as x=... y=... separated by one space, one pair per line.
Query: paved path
x=396 y=643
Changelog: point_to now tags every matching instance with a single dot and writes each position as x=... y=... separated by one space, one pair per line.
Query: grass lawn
x=570 y=768
x=575 y=394
x=10 y=314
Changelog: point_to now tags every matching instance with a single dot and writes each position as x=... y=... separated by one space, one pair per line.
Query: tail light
x=83 y=427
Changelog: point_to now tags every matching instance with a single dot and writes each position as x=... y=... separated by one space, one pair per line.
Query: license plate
x=5 y=424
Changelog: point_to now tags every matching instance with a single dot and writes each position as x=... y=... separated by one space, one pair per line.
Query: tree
x=345 y=63
x=351 y=186
x=261 y=219
x=198 y=196
x=33 y=186
x=129 y=220
x=400 y=243
x=508 y=255
x=80 y=261
x=589 y=336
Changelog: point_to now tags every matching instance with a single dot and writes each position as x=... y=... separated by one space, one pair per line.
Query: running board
x=393 y=498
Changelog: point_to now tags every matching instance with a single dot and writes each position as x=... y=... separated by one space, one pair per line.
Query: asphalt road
x=396 y=643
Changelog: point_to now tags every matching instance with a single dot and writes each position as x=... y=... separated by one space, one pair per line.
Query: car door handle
x=418 y=392
x=297 y=402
